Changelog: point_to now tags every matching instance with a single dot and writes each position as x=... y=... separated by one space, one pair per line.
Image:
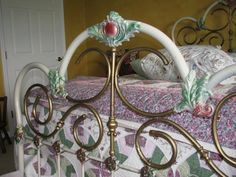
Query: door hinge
x=6 y=55
x=12 y=114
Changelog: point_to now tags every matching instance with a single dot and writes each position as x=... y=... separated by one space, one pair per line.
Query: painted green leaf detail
x=193 y=92
x=125 y=30
x=57 y=83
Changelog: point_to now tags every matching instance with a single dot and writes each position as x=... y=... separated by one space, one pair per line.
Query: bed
x=168 y=119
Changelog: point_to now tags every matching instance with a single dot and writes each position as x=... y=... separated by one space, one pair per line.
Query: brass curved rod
x=100 y=125
x=34 y=109
x=156 y=134
x=215 y=30
x=107 y=80
x=216 y=34
x=183 y=132
x=60 y=123
x=220 y=28
x=232 y=15
x=36 y=102
x=227 y=158
x=194 y=32
x=124 y=100
x=35 y=116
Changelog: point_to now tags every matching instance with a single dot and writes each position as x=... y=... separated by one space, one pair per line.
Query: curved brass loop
x=124 y=100
x=183 y=132
x=194 y=33
x=107 y=80
x=156 y=134
x=82 y=118
x=227 y=158
x=213 y=35
x=223 y=26
x=232 y=15
x=34 y=114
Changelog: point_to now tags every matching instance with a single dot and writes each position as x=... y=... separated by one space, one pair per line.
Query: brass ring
x=156 y=134
x=191 y=139
x=36 y=118
x=82 y=118
x=107 y=80
x=124 y=100
x=230 y=160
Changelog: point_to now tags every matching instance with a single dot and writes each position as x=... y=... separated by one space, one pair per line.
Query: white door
x=33 y=31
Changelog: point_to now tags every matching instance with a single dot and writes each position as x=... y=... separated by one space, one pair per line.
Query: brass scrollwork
x=227 y=158
x=124 y=100
x=156 y=134
x=34 y=114
x=107 y=80
x=82 y=118
x=199 y=31
x=193 y=141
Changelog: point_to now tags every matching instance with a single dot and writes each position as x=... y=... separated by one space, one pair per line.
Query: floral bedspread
x=147 y=95
x=156 y=96
x=188 y=161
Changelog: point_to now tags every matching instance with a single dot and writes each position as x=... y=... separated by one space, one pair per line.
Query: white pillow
x=153 y=68
x=232 y=55
x=203 y=59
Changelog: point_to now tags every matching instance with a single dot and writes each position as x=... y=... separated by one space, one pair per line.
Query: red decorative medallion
x=110 y=29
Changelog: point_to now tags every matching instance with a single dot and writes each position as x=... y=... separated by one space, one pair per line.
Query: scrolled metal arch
x=191 y=139
x=26 y=111
x=213 y=35
x=82 y=118
x=227 y=158
x=124 y=100
x=196 y=39
x=212 y=14
x=156 y=134
x=107 y=80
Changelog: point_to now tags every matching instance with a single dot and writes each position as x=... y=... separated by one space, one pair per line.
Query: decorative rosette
x=57 y=83
x=19 y=134
x=114 y=30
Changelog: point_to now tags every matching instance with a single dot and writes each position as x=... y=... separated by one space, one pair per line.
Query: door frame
x=10 y=114
x=3 y=56
x=4 y=65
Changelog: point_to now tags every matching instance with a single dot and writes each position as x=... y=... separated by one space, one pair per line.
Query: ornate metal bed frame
x=113 y=31
x=189 y=30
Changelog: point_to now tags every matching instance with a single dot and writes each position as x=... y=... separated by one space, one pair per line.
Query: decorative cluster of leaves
x=57 y=83
x=193 y=92
x=126 y=30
